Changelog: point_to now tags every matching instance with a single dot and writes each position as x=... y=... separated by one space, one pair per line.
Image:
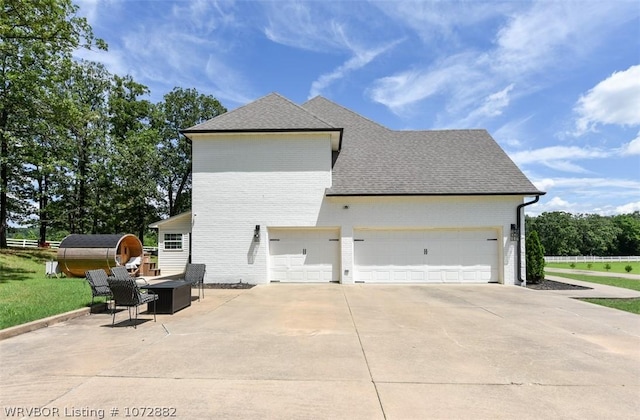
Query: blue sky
x=556 y=83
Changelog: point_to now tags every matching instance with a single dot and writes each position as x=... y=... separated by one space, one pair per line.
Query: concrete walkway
x=336 y=352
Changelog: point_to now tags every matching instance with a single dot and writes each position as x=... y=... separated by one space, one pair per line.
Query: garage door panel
x=304 y=255
x=451 y=256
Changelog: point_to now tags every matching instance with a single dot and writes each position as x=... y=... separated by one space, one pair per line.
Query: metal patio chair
x=97 y=279
x=122 y=273
x=194 y=274
x=126 y=293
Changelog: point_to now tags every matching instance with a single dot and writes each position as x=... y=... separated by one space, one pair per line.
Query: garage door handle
x=426 y=251
x=304 y=251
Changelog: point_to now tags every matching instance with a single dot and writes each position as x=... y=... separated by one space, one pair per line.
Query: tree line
x=81 y=149
x=563 y=233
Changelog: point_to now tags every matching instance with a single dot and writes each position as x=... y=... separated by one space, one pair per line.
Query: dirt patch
x=555 y=285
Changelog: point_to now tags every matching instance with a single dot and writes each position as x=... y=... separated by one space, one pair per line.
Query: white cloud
x=559 y=157
x=628 y=208
x=556 y=203
x=632 y=148
x=360 y=59
x=533 y=38
x=404 y=89
x=296 y=25
x=322 y=27
x=512 y=133
x=225 y=83
x=617 y=186
x=492 y=106
x=614 y=100
x=434 y=20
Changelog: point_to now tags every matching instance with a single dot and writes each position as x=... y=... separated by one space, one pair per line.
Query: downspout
x=523 y=282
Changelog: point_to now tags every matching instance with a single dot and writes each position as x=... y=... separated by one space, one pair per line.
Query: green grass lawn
x=26 y=294
x=610 y=281
x=616 y=266
x=629 y=305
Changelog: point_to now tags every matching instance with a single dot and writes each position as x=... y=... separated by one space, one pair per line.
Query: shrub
x=572 y=265
x=589 y=266
x=535 y=258
x=628 y=268
x=607 y=266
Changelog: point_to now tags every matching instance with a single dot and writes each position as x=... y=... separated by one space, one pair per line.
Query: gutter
x=523 y=282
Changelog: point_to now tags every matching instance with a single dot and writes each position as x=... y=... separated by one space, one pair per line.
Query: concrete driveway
x=336 y=351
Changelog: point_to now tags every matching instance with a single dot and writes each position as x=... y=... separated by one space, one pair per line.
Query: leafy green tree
x=534 y=257
x=135 y=158
x=37 y=38
x=597 y=234
x=180 y=109
x=628 y=234
x=558 y=233
x=82 y=115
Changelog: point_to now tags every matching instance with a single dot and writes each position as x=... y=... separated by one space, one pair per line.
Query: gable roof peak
x=338 y=114
x=272 y=112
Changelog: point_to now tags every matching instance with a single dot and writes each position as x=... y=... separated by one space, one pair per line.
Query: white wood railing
x=30 y=243
x=33 y=243
x=590 y=258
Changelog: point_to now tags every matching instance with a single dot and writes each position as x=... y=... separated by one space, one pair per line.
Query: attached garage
x=426 y=256
x=304 y=255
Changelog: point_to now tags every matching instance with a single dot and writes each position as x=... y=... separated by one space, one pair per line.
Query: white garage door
x=423 y=256
x=304 y=255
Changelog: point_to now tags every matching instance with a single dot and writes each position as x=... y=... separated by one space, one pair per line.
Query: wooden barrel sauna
x=79 y=253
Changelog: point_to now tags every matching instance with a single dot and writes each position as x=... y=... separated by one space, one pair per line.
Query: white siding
x=280 y=179
x=481 y=212
x=240 y=181
x=173 y=261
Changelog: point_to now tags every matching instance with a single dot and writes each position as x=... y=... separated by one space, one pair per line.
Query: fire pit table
x=172 y=296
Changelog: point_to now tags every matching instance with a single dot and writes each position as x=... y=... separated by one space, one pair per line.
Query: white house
x=174 y=243
x=317 y=193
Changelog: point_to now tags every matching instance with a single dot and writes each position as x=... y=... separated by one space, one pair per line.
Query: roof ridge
x=272 y=111
x=305 y=110
x=320 y=97
x=441 y=130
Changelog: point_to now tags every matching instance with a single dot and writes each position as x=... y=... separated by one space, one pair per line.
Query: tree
x=558 y=233
x=37 y=38
x=181 y=108
x=598 y=234
x=628 y=234
x=535 y=258
x=80 y=105
x=135 y=158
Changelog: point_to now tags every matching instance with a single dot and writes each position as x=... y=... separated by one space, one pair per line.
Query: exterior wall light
x=515 y=234
x=256 y=234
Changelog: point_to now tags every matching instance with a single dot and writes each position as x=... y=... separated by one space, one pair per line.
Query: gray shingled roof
x=271 y=112
x=375 y=160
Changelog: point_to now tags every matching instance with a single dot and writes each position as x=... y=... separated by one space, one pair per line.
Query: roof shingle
x=375 y=160
x=271 y=112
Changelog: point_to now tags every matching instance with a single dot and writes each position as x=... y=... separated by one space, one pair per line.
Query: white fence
x=33 y=243
x=589 y=258
x=30 y=243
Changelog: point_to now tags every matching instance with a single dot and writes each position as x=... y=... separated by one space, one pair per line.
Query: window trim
x=178 y=242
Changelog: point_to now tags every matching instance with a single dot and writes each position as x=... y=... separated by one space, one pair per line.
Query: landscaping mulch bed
x=228 y=285
x=555 y=285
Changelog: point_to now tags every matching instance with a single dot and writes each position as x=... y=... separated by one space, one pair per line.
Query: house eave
x=335 y=133
x=493 y=194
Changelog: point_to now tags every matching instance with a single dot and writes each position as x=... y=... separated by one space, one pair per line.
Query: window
x=173 y=241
